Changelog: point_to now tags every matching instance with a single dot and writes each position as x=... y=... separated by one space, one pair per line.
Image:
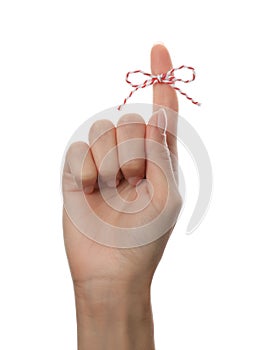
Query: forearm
x=114 y=319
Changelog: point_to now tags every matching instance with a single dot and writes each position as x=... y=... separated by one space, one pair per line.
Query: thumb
x=159 y=163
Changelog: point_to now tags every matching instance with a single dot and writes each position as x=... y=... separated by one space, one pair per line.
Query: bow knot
x=159 y=78
x=163 y=78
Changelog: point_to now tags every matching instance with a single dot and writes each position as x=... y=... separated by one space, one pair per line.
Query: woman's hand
x=112 y=285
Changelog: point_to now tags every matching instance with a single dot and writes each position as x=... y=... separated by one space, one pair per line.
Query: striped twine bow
x=164 y=78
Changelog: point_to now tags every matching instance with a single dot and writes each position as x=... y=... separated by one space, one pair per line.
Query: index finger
x=164 y=95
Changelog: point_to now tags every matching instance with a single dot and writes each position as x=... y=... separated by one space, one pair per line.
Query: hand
x=108 y=280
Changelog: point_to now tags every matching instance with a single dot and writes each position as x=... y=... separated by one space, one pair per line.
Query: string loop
x=168 y=78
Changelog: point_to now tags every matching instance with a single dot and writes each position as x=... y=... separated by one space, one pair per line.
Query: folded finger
x=81 y=166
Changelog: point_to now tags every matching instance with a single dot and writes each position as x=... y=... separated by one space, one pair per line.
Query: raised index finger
x=164 y=95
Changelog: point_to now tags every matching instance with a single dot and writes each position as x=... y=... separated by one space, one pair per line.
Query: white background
x=62 y=61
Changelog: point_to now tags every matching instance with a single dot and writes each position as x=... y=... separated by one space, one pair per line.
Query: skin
x=112 y=286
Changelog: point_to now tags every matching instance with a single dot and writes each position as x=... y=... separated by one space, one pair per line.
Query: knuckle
x=99 y=128
x=177 y=202
x=77 y=148
x=130 y=118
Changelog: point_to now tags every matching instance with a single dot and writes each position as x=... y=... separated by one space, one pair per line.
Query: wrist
x=114 y=317
x=94 y=299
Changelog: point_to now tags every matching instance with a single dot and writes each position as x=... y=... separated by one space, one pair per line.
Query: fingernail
x=77 y=182
x=162 y=120
x=112 y=183
x=158 y=43
x=134 y=180
x=88 y=189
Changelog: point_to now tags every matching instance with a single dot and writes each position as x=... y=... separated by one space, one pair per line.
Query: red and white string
x=164 y=78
